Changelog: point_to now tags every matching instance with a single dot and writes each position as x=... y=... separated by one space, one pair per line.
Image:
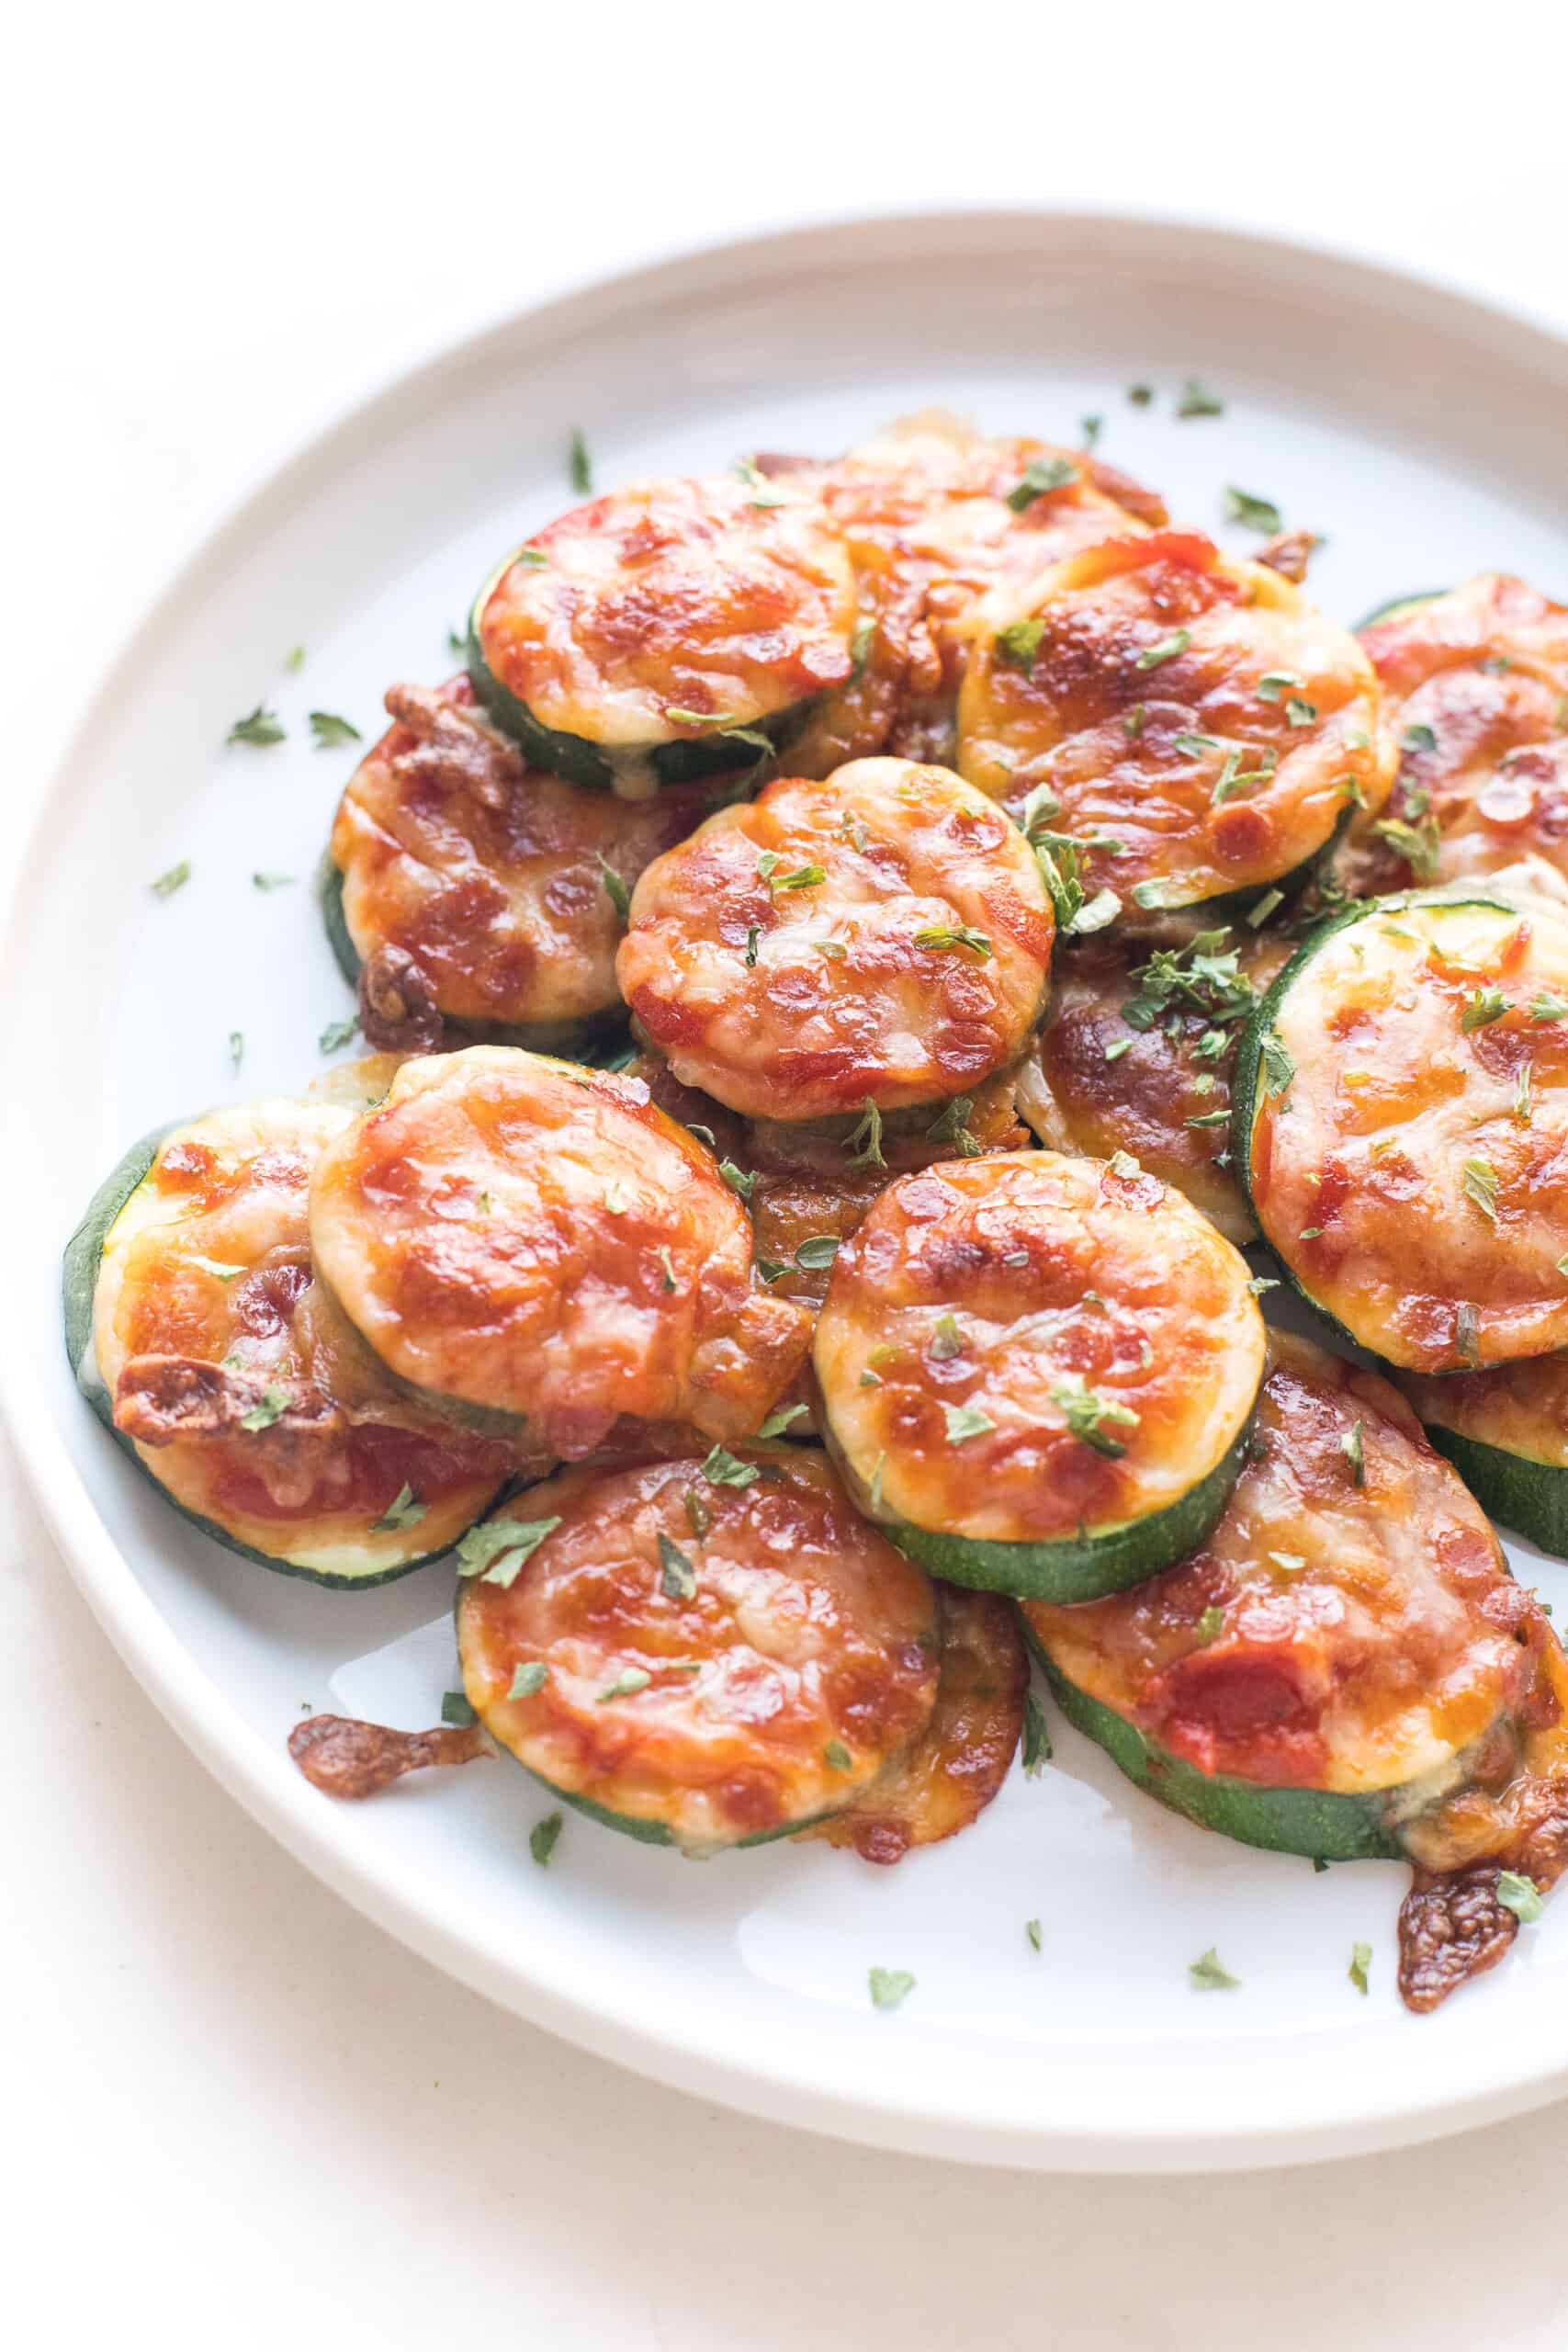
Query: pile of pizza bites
x=849 y=966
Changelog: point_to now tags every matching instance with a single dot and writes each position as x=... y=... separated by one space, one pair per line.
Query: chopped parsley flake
x=174 y=880
x=337 y=1034
x=964 y=1421
x=1354 y=1450
x=1211 y=1625
x=756 y=481
x=271 y=881
x=1088 y=1414
x=1031 y=1930
x=1418 y=739
x=837 y=1757
x=1045 y=474
x=863 y=1146
x=260 y=726
x=669 y=1282
x=1197 y=401
x=722 y=1468
x=1361 y=1961
x=954 y=934
x=1090 y=427
x=1036 y=1738
x=329 y=730
x=1480 y=1186
x=818 y=1250
x=1482 y=1008
x=1140 y=394
x=949 y=1126
x=579 y=465
x=215 y=1267
x=753 y=933
x=293 y=660
x=1419 y=845
x=678 y=1578
x=1520 y=1895
x=1208 y=1976
x=1153 y=656
x=274 y=1404
x=616 y=890
x=497 y=1549
x=405 y=1509
x=543 y=1836
x=1018 y=644
x=1545 y=1007
x=946 y=1340
x=1299 y=712
x=456 y=1709
x=1256 y=513
x=1279 y=1068
x=776 y=1423
x=889 y=1987
x=615 y=1196
x=529 y=1679
x=626 y=1684
x=236 y=1049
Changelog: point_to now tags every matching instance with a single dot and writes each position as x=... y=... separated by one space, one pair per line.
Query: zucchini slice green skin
x=1090 y=1566
x=1326 y=1826
x=1530 y=1496
x=682 y=760
x=657 y=1832
x=1397 y=606
x=79 y=1276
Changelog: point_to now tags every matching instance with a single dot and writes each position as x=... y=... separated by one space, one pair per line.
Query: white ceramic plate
x=1422 y=432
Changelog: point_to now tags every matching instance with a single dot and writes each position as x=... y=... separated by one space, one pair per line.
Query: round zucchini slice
x=199 y=1337
x=1475 y=697
x=700 y=1655
x=1343 y=1662
x=466 y=892
x=669 y=630
x=1195 y=727
x=1400 y=1107
x=961 y=1760
x=521 y=1240
x=1135 y=1055
x=880 y=937
x=1506 y=1431
x=1038 y=1373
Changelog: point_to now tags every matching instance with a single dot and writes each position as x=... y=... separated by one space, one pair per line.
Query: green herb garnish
x=678 y=1578
x=616 y=890
x=1088 y=1415
x=1041 y=475
x=1037 y=1749
x=456 y=1709
x=1153 y=656
x=405 y=1509
x=1361 y=1961
x=174 y=880
x=578 y=466
x=527 y=1680
x=260 y=726
x=1256 y=513
x=1208 y=1976
x=964 y=1421
x=329 y=730
x=497 y=1549
x=543 y=1836
x=275 y=1403
x=889 y=1987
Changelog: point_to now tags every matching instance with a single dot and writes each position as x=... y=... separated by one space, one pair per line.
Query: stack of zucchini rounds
x=850 y=964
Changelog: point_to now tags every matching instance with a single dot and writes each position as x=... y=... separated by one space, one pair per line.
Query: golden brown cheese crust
x=1093 y=1084
x=524 y=1236
x=488 y=875
x=884 y=935
x=997 y=1288
x=1194 y=711
x=668 y=597
x=781 y=1665
x=1366 y=1634
x=1413 y=1174
x=959 y=1762
x=206 y=1316
x=1475 y=694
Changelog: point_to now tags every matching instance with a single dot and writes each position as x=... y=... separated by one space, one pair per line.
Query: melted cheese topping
x=883 y=935
x=1141 y=706
x=492 y=875
x=961 y=1760
x=1367 y=1635
x=673 y=596
x=209 y=1260
x=1519 y=1407
x=1094 y=1084
x=1006 y=1291
x=1475 y=691
x=1413 y=1174
x=800 y=1662
x=540 y=1241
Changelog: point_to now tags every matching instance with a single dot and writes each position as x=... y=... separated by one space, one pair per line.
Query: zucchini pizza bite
x=1038 y=1373
x=1475 y=698
x=959 y=1762
x=197 y=1334
x=1344 y=1669
x=702 y=1653
x=880 y=937
x=1399 y=1108
x=1194 y=726
x=666 y=630
x=1506 y=1431
x=525 y=1242
x=466 y=892
x=955 y=516
x=1135 y=1055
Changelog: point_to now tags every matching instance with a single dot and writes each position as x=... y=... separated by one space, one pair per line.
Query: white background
x=235 y=2112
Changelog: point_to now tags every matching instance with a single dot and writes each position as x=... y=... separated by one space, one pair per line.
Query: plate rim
x=195 y=1705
